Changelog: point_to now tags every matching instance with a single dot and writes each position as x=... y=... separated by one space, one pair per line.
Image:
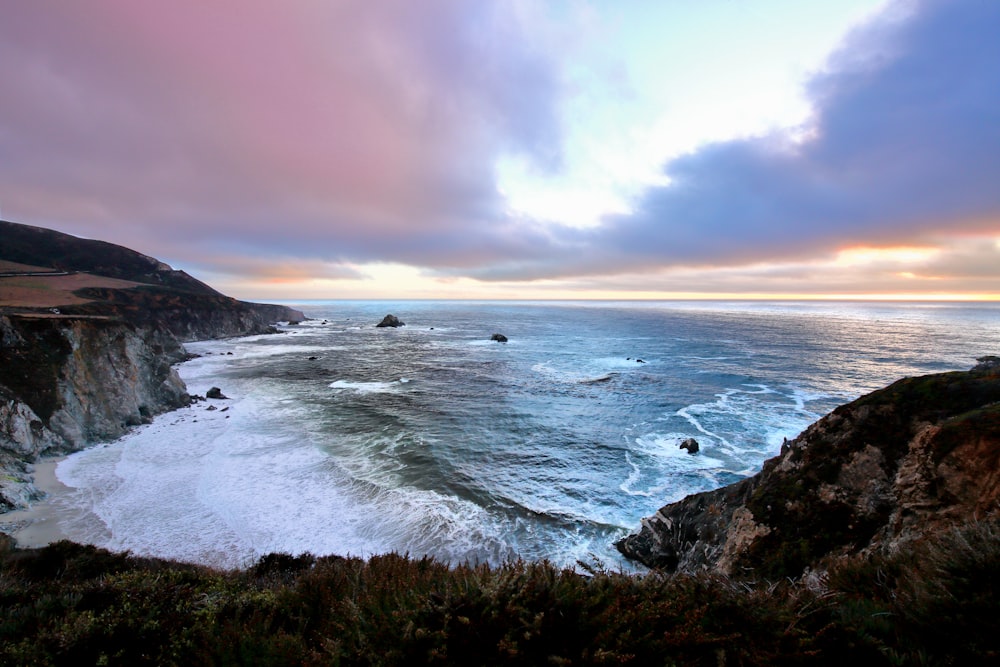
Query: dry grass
x=7 y=266
x=53 y=291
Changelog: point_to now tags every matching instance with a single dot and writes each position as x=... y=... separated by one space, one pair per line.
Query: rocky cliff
x=88 y=335
x=889 y=468
x=68 y=382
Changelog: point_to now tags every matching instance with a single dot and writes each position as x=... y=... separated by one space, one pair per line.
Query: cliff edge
x=88 y=334
x=890 y=468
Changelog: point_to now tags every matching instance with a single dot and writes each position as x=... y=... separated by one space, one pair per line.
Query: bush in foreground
x=72 y=604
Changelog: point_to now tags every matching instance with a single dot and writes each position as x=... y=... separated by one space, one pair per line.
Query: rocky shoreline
x=100 y=360
x=70 y=382
x=898 y=466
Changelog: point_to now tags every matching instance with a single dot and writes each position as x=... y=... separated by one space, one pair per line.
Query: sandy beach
x=39 y=524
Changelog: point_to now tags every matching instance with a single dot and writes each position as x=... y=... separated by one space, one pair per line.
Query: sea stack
x=391 y=321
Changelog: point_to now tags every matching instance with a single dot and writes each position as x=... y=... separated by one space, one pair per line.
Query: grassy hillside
x=48 y=274
x=40 y=247
x=938 y=603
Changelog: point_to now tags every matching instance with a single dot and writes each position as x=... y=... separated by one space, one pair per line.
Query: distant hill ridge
x=163 y=297
x=37 y=246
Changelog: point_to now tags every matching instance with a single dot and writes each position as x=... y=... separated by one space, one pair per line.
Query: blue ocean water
x=340 y=437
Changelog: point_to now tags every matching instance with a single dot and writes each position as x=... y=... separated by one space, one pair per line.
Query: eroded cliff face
x=891 y=467
x=185 y=315
x=86 y=345
x=67 y=382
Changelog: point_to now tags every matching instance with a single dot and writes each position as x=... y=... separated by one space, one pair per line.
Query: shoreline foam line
x=38 y=525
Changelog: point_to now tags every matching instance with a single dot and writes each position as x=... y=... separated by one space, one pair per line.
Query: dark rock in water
x=900 y=465
x=639 y=361
x=211 y=407
x=195 y=398
x=599 y=380
x=313 y=358
x=499 y=337
x=215 y=392
x=229 y=354
x=691 y=445
x=988 y=363
x=391 y=321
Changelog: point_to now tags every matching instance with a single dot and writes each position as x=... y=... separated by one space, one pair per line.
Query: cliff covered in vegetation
x=891 y=468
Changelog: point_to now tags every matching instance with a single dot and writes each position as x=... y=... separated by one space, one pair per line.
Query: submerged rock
x=499 y=337
x=391 y=321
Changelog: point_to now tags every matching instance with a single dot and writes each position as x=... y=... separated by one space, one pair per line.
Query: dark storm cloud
x=905 y=145
x=906 y=142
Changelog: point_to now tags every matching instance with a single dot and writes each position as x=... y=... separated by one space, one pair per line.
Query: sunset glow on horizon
x=843 y=149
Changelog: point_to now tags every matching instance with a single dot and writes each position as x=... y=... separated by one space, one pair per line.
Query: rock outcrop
x=691 y=445
x=68 y=382
x=499 y=337
x=889 y=468
x=187 y=317
x=391 y=321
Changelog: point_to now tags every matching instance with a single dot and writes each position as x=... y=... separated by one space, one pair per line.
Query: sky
x=516 y=149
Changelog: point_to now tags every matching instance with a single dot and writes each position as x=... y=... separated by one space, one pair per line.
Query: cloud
x=338 y=130
x=905 y=142
x=354 y=132
x=947 y=266
x=904 y=145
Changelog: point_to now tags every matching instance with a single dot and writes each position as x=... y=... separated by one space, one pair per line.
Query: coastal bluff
x=89 y=333
x=890 y=469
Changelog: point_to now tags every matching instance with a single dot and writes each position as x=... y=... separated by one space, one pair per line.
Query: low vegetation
x=937 y=603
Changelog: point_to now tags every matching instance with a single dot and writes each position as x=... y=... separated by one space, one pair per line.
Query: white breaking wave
x=368 y=387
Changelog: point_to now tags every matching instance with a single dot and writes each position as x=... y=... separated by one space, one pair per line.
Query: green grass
x=72 y=604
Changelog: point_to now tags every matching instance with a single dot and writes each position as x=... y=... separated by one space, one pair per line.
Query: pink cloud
x=337 y=122
x=345 y=132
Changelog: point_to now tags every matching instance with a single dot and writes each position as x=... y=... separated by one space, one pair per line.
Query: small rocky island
x=391 y=321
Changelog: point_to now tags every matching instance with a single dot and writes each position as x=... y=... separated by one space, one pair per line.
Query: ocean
x=338 y=437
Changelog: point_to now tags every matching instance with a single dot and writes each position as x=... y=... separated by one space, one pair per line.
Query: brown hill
x=40 y=247
x=45 y=273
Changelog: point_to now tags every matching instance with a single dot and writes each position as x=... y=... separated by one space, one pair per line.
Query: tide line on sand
x=38 y=525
